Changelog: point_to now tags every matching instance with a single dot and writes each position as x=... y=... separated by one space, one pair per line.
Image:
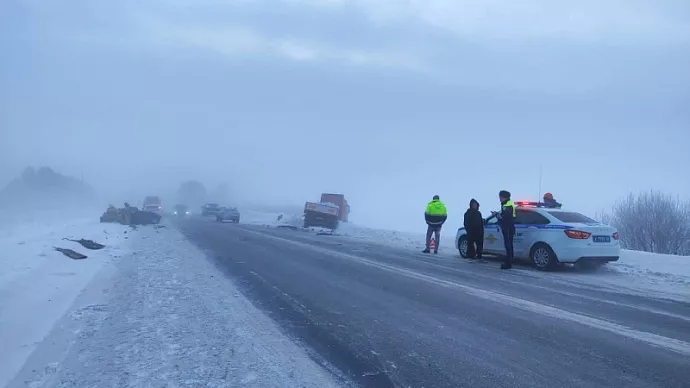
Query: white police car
x=549 y=236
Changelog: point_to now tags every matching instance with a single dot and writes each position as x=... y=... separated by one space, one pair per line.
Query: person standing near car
x=434 y=215
x=506 y=220
x=474 y=226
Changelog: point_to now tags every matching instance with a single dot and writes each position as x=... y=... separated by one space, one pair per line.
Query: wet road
x=388 y=317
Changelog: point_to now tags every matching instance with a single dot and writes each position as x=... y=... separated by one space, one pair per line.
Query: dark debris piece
x=70 y=253
x=88 y=244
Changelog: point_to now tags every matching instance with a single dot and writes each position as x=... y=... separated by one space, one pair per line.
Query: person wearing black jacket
x=474 y=226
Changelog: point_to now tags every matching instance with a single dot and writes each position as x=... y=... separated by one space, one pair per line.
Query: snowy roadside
x=664 y=275
x=167 y=317
x=38 y=285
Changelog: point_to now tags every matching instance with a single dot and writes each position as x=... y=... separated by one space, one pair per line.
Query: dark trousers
x=475 y=246
x=508 y=235
x=435 y=230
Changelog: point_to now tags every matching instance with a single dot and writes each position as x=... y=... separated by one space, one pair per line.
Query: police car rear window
x=571 y=217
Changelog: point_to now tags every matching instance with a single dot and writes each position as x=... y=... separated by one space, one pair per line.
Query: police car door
x=524 y=232
x=528 y=230
x=493 y=239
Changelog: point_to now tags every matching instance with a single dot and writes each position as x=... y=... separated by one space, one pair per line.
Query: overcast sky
x=389 y=102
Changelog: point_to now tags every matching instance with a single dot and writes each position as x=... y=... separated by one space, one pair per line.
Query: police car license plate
x=601 y=239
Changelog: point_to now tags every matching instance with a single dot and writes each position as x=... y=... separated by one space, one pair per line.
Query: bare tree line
x=652 y=222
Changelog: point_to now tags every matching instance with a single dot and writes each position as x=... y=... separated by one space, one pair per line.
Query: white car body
x=572 y=237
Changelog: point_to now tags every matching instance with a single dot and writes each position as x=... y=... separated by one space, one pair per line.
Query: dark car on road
x=229 y=214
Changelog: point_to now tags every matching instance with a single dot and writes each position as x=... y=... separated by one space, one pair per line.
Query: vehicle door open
x=493 y=239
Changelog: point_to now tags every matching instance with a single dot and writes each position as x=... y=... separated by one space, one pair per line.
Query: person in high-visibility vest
x=435 y=215
x=506 y=220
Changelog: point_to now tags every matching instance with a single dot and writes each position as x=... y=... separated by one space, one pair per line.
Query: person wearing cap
x=506 y=220
x=474 y=226
x=549 y=201
x=434 y=215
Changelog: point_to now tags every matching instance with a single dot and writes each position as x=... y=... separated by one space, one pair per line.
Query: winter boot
x=506 y=266
x=426 y=251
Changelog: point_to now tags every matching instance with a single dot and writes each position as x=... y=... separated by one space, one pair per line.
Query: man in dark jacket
x=506 y=220
x=474 y=226
x=434 y=215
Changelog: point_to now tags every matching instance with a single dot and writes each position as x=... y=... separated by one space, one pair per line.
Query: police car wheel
x=543 y=257
x=462 y=247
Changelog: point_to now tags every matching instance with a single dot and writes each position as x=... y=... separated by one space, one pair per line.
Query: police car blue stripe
x=538 y=226
x=531 y=226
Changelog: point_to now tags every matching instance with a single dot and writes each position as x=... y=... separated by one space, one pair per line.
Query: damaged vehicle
x=130 y=215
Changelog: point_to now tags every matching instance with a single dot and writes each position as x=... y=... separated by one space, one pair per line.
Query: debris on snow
x=36 y=290
x=88 y=244
x=167 y=320
x=70 y=253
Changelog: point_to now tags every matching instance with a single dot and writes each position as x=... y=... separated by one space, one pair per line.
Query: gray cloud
x=414 y=98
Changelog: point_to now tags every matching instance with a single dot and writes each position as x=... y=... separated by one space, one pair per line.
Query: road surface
x=389 y=317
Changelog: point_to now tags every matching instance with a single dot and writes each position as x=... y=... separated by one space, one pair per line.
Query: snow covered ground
x=665 y=275
x=150 y=310
x=38 y=285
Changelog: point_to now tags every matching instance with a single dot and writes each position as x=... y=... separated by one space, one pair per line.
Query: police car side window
x=520 y=217
x=531 y=218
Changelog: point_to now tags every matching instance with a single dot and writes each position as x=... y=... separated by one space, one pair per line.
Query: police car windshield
x=571 y=217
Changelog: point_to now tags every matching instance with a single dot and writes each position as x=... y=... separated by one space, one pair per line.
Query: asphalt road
x=389 y=317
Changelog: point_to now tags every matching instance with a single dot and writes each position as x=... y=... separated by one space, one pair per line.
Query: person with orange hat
x=549 y=201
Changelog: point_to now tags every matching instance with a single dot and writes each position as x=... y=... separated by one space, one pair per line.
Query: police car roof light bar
x=535 y=204
x=527 y=203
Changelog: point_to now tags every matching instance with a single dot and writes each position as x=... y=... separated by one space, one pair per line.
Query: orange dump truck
x=340 y=201
x=332 y=208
